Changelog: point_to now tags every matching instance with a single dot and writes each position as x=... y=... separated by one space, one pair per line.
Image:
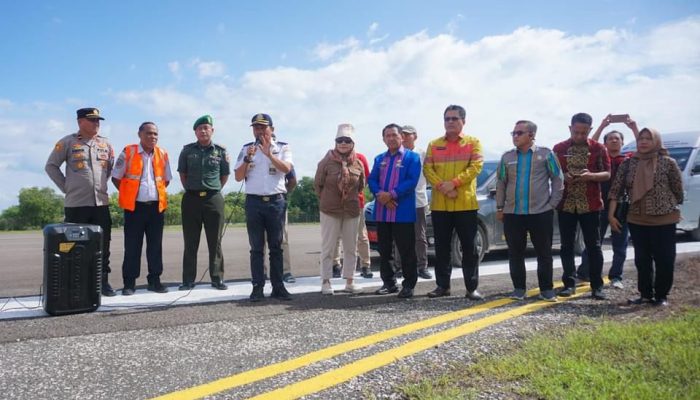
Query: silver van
x=684 y=147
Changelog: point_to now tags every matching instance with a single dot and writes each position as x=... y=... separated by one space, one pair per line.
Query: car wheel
x=479 y=242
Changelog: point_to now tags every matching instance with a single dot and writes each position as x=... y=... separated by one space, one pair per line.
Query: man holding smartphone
x=585 y=164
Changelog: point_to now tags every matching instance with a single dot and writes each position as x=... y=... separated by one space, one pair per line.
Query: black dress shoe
x=598 y=294
x=567 y=292
x=107 y=290
x=127 y=291
x=219 y=285
x=387 y=289
x=281 y=293
x=439 y=292
x=186 y=286
x=366 y=273
x=257 y=293
x=405 y=293
x=157 y=287
x=424 y=273
x=640 y=301
x=661 y=302
x=336 y=271
x=474 y=295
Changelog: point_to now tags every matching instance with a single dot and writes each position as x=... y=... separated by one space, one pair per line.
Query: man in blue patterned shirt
x=529 y=187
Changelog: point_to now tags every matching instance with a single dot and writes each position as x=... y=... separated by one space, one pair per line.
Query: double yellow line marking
x=349 y=371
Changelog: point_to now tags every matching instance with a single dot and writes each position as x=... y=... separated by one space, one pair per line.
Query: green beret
x=204 y=119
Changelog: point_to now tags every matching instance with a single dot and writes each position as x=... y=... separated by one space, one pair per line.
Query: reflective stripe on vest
x=130 y=182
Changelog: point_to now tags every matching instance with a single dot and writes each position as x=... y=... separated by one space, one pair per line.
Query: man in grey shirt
x=89 y=158
x=529 y=187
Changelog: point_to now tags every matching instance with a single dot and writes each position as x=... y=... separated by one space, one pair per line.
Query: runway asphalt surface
x=146 y=350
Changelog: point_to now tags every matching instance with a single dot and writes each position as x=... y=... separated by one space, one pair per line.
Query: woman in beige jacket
x=655 y=189
x=339 y=177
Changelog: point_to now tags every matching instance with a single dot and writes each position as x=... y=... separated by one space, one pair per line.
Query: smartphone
x=619 y=118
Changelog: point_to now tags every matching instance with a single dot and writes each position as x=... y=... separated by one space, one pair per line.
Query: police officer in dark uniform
x=263 y=164
x=204 y=170
x=89 y=159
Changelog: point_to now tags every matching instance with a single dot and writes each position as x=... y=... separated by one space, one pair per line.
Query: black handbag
x=623 y=200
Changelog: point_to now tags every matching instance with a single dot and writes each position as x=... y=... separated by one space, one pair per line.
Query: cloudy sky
x=315 y=64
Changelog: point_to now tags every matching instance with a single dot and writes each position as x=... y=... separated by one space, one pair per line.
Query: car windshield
x=681 y=156
x=487 y=170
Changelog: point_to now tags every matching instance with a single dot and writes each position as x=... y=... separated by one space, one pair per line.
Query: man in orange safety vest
x=141 y=174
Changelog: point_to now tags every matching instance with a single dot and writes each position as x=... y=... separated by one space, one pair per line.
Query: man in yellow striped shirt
x=452 y=163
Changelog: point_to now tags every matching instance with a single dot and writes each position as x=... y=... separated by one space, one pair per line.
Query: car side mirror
x=696 y=169
x=492 y=192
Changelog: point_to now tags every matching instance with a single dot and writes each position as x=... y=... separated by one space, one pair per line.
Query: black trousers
x=96 y=215
x=465 y=224
x=207 y=211
x=265 y=220
x=654 y=254
x=540 y=227
x=144 y=220
x=590 y=227
x=403 y=234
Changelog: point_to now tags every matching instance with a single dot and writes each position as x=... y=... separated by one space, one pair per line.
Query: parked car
x=489 y=235
x=684 y=147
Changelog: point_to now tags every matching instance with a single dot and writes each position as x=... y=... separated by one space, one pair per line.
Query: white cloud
x=454 y=23
x=544 y=75
x=325 y=51
x=174 y=67
x=209 y=69
x=372 y=30
x=372 y=34
x=5 y=104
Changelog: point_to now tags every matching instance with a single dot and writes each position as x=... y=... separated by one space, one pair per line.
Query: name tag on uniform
x=272 y=171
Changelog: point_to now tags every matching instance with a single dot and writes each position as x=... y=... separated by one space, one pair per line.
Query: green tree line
x=41 y=206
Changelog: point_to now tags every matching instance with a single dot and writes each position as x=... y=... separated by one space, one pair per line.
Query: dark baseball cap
x=261 y=119
x=90 y=113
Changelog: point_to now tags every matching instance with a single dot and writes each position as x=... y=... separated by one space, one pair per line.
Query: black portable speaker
x=72 y=268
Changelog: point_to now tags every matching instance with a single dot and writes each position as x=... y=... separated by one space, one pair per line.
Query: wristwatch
x=247 y=160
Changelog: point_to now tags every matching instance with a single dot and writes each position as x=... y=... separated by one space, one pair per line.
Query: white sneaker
x=352 y=288
x=326 y=288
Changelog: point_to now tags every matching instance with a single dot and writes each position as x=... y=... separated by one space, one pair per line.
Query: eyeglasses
x=342 y=140
x=451 y=119
x=518 y=133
